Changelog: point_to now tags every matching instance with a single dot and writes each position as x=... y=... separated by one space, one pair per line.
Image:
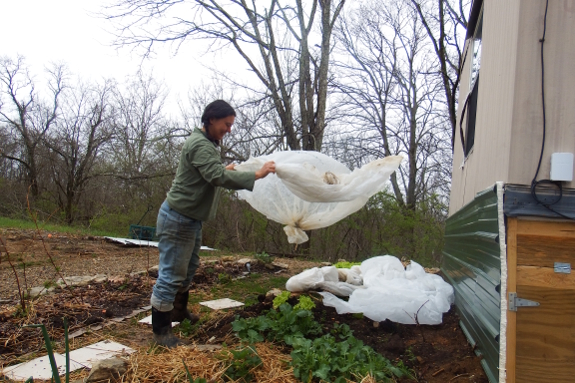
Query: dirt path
x=77 y=255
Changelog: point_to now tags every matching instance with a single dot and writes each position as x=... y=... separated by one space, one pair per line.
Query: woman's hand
x=231 y=167
x=269 y=167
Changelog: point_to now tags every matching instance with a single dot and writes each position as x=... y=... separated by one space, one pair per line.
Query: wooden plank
x=543 y=250
x=546 y=331
x=545 y=277
x=510 y=363
x=537 y=370
x=546 y=228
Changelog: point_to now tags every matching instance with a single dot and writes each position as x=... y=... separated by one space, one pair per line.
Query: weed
x=242 y=363
x=187 y=328
x=224 y=278
x=48 y=284
x=264 y=257
x=190 y=379
x=410 y=355
x=20 y=312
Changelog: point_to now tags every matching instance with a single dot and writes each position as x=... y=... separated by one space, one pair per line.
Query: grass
x=12 y=223
x=243 y=290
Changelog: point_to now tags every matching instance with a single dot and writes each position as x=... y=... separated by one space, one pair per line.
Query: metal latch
x=515 y=302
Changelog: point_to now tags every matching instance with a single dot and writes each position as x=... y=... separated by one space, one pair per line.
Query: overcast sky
x=68 y=31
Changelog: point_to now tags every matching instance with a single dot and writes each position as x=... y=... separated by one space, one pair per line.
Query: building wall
x=509 y=114
x=487 y=161
x=559 y=54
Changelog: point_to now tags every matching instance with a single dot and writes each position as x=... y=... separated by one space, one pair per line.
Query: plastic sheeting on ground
x=311 y=190
x=389 y=291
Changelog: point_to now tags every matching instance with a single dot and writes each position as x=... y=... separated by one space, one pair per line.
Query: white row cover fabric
x=311 y=190
x=390 y=291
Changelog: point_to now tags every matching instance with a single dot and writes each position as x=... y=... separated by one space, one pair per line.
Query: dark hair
x=216 y=109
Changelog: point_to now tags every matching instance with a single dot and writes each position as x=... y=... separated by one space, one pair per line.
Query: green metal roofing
x=471 y=263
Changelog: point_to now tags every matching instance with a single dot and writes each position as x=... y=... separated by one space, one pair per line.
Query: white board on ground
x=39 y=368
x=140 y=242
x=220 y=304
x=148 y=320
x=106 y=349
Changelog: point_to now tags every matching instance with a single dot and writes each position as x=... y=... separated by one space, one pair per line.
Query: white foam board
x=40 y=368
x=224 y=303
x=86 y=356
x=148 y=320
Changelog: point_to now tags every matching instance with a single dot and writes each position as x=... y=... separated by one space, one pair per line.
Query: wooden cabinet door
x=541 y=340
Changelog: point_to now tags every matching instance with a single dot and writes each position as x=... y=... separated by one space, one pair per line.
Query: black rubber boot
x=180 y=311
x=162 y=327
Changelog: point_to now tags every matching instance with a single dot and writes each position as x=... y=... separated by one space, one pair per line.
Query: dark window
x=473 y=85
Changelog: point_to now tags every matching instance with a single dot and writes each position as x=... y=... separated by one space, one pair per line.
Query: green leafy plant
x=346 y=265
x=304 y=303
x=281 y=299
x=284 y=325
x=333 y=360
x=243 y=362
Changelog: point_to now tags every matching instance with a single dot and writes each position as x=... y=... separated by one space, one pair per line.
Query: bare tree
x=275 y=41
x=387 y=88
x=76 y=141
x=445 y=23
x=138 y=123
x=26 y=117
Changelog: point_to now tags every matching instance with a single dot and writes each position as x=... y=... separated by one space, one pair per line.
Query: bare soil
x=436 y=353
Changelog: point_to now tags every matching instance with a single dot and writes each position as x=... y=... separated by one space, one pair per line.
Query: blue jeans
x=180 y=242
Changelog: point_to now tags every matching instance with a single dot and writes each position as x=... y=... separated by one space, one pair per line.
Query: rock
x=100 y=278
x=273 y=293
x=227 y=258
x=40 y=290
x=326 y=263
x=280 y=265
x=76 y=280
x=269 y=266
x=117 y=279
x=242 y=262
x=138 y=273
x=341 y=260
x=208 y=347
x=153 y=271
x=107 y=369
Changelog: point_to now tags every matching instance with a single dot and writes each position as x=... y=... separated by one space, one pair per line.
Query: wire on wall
x=534 y=182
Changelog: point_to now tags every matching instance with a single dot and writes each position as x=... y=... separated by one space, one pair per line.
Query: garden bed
x=433 y=353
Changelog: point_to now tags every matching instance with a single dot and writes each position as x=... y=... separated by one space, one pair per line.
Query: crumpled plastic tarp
x=389 y=291
x=311 y=190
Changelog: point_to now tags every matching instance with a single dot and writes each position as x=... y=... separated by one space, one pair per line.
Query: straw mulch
x=146 y=366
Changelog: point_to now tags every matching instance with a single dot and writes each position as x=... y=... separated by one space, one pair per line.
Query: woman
x=192 y=199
